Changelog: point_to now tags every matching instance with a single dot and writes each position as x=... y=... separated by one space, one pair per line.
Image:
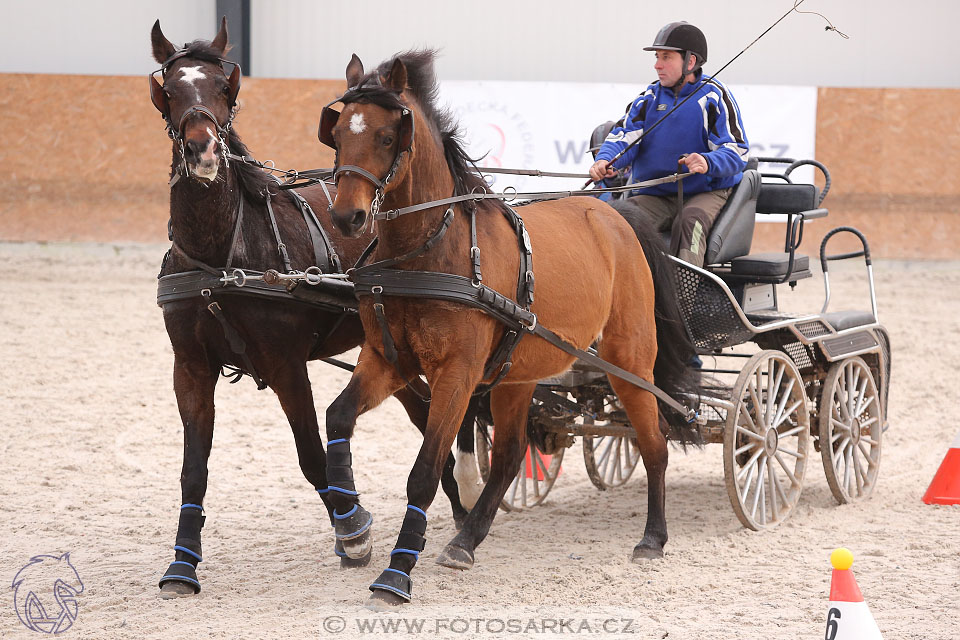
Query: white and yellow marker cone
x=849 y=617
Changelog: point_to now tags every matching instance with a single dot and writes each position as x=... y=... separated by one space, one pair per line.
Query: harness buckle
x=533 y=322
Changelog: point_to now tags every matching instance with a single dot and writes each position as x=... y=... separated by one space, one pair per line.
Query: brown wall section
x=86 y=158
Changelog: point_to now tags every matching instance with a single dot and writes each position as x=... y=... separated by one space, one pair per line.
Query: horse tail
x=673 y=370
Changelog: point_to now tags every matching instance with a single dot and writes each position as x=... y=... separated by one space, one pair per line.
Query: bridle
x=328 y=120
x=159 y=99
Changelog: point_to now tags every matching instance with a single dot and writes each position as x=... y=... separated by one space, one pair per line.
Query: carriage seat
x=777 y=198
x=732 y=232
x=841 y=320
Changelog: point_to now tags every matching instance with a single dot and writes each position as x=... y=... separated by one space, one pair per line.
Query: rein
x=540 y=195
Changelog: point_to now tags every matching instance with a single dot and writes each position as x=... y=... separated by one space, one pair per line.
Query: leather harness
x=379 y=279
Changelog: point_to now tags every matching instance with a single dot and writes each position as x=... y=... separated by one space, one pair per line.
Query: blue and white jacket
x=708 y=124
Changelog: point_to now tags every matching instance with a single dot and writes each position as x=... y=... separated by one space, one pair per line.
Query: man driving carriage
x=705 y=133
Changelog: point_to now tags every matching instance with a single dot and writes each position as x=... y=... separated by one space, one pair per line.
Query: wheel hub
x=855 y=431
x=770 y=442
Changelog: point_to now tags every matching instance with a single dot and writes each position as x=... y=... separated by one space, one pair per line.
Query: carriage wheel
x=765 y=441
x=537 y=472
x=610 y=460
x=850 y=430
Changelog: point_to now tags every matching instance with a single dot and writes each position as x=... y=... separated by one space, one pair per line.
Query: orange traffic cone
x=945 y=487
x=849 y=617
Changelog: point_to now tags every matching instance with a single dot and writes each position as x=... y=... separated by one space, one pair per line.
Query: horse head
x=373 y=137
x=197 y=98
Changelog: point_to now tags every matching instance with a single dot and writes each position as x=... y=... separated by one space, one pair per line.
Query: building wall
x=890 y=43
x=87 y=159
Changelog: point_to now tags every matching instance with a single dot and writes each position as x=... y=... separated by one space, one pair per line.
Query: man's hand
x=695 y=162
x=600 y=170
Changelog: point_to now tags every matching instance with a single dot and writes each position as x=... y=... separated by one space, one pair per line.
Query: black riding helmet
x=685 y=38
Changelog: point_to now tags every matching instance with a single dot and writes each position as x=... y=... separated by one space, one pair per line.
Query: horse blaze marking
x=191 y=75
x=357 y=124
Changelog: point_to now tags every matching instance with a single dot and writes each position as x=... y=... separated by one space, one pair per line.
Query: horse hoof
x=381 y=600
x=455 y=558
x=174 y=589
x=642 y=554
x=346 y=562
x=359 y=547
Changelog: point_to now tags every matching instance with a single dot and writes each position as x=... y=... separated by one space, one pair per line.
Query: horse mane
x=422 y=84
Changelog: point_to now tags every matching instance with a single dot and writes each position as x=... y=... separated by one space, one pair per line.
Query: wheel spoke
x=848 y=389
x=847 y=469
x=759 y=488
x=839 y=426
x=791 y=452
x=780 y=415
x=542 y=466
x=744 y=449
x=774 y=485
x=745 y=488
x=513 y=489
x=866 y=453
x=606 y=454
x=757 y=408
x=861 y=396
x=791 y=432
x=783 y=465
x=838 y=454
x=762 y=481
x=749 y=463
x=749 y=433
x=789 y=412
x=525 y=475
x=858 y=473
x=619 y=461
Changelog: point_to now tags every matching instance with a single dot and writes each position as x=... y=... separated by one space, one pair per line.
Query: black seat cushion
x=768 y=264
x=841 y=320
x=775 y=197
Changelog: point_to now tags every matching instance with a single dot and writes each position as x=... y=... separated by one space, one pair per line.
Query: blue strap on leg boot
x=411 y=541
x=352 y=528
x=188 y=551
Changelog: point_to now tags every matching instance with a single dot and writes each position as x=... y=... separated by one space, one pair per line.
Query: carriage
x=288 y=299
x=778 y=380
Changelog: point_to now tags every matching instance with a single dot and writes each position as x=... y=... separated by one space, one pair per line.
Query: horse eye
x=226 y=90
x=387 y=141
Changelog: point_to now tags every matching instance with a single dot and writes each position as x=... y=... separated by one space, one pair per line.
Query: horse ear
x=220 y=42
x=162 y=48
x=158 y=97
x=234 y=81
x=397 y=78
x=354 y=71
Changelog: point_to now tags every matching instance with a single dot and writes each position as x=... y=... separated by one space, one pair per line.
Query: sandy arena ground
x=91 y=449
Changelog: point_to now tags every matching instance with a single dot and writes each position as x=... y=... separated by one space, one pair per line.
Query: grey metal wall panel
x=99 y=37
x=558 y=40
x=569 y=40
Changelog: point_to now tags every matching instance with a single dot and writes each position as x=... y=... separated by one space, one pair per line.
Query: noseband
x=328 y=119
x=175 y=133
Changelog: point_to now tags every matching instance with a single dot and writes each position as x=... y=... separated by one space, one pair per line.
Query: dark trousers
x=689 y=229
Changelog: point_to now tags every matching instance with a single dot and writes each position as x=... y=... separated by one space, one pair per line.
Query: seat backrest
x=732 y=232
x=777 y=197
x=599 y=135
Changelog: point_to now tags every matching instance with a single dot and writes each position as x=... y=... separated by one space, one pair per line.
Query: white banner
x=547 y=125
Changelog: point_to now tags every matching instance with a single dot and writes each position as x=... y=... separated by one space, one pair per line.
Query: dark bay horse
x=219 y=216
x=397 y=149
